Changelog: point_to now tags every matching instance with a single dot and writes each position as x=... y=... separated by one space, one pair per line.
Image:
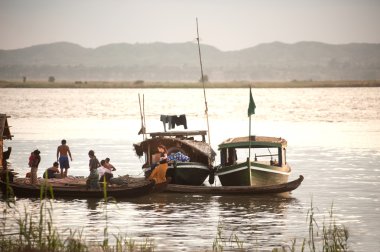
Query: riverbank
x=142 y=84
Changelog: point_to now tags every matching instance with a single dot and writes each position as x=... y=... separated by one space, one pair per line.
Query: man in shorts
x=63 y=153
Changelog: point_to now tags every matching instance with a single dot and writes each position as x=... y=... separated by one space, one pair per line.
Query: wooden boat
x=19 y=188
x=200 y=153
x=239 y=190
x=268 y=168
x=185 y=173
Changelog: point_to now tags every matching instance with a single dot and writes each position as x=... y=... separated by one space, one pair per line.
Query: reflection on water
x=333 y=137
x=348 y=179
x=177 y=221
x=92 y=204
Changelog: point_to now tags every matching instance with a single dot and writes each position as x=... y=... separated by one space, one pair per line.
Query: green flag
x=252 y=106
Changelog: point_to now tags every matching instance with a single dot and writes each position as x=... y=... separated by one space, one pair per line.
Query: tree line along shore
x=232 y=84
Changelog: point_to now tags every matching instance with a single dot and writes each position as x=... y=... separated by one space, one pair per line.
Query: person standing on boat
x=62 y=157
x=34 y=161
x=93 y=179
x=159 y=173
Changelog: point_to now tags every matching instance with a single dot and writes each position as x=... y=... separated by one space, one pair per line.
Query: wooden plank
x=179 y=133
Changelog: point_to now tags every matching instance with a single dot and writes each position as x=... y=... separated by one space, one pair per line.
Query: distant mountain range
x=179 y=62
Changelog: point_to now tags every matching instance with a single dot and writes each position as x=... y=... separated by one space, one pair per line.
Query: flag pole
x=249 y=138
x=251 y=110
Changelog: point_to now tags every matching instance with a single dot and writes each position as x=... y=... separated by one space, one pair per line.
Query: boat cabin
x=5 y=134
x=190 y=156
x=266 y=150
x=191 y=143
x=197 y=151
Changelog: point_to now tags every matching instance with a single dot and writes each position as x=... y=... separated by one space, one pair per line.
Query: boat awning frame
x=254 y=142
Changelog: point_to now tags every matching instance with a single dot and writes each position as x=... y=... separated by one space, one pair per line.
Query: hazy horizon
x=169 y=43
x=226 y=25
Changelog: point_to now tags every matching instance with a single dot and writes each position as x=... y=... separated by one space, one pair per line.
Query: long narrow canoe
x=248 y=190
x=129 y=190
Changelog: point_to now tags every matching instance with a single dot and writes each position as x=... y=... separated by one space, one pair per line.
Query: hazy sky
x=226 y=24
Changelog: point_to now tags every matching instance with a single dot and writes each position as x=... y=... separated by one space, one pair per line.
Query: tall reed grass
x=328 y=236
x=36 y=232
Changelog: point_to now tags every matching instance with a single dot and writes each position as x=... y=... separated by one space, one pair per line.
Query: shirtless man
x=108 y=165
x=63 y=158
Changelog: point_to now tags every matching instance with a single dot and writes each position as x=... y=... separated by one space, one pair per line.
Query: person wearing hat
x=34 y=161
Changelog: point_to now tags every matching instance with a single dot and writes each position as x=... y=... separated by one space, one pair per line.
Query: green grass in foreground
x=36 y=232
x=329 y=237
x=236 y=84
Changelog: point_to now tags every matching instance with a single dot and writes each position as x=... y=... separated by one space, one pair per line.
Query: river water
x=333 y=139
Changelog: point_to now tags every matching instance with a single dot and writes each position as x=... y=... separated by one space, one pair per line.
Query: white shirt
x=102 y=170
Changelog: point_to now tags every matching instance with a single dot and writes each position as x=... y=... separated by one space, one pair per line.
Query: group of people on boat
x=101 y=170
x=160 y=161
x=63 y=154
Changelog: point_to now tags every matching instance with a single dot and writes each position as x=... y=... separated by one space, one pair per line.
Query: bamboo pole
x=204 y=93
x=144 y=136
x=142 y=116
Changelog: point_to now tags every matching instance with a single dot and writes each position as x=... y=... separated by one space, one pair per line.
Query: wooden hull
x=78 y=191
x=188 y=173
x=238 y=190
x=260 y=175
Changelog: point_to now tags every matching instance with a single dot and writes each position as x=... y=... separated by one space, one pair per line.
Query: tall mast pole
x=204 y=90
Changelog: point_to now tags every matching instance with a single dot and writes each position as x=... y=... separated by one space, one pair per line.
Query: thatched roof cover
x=5 y=133
x=254 y=141
x=191 y=147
